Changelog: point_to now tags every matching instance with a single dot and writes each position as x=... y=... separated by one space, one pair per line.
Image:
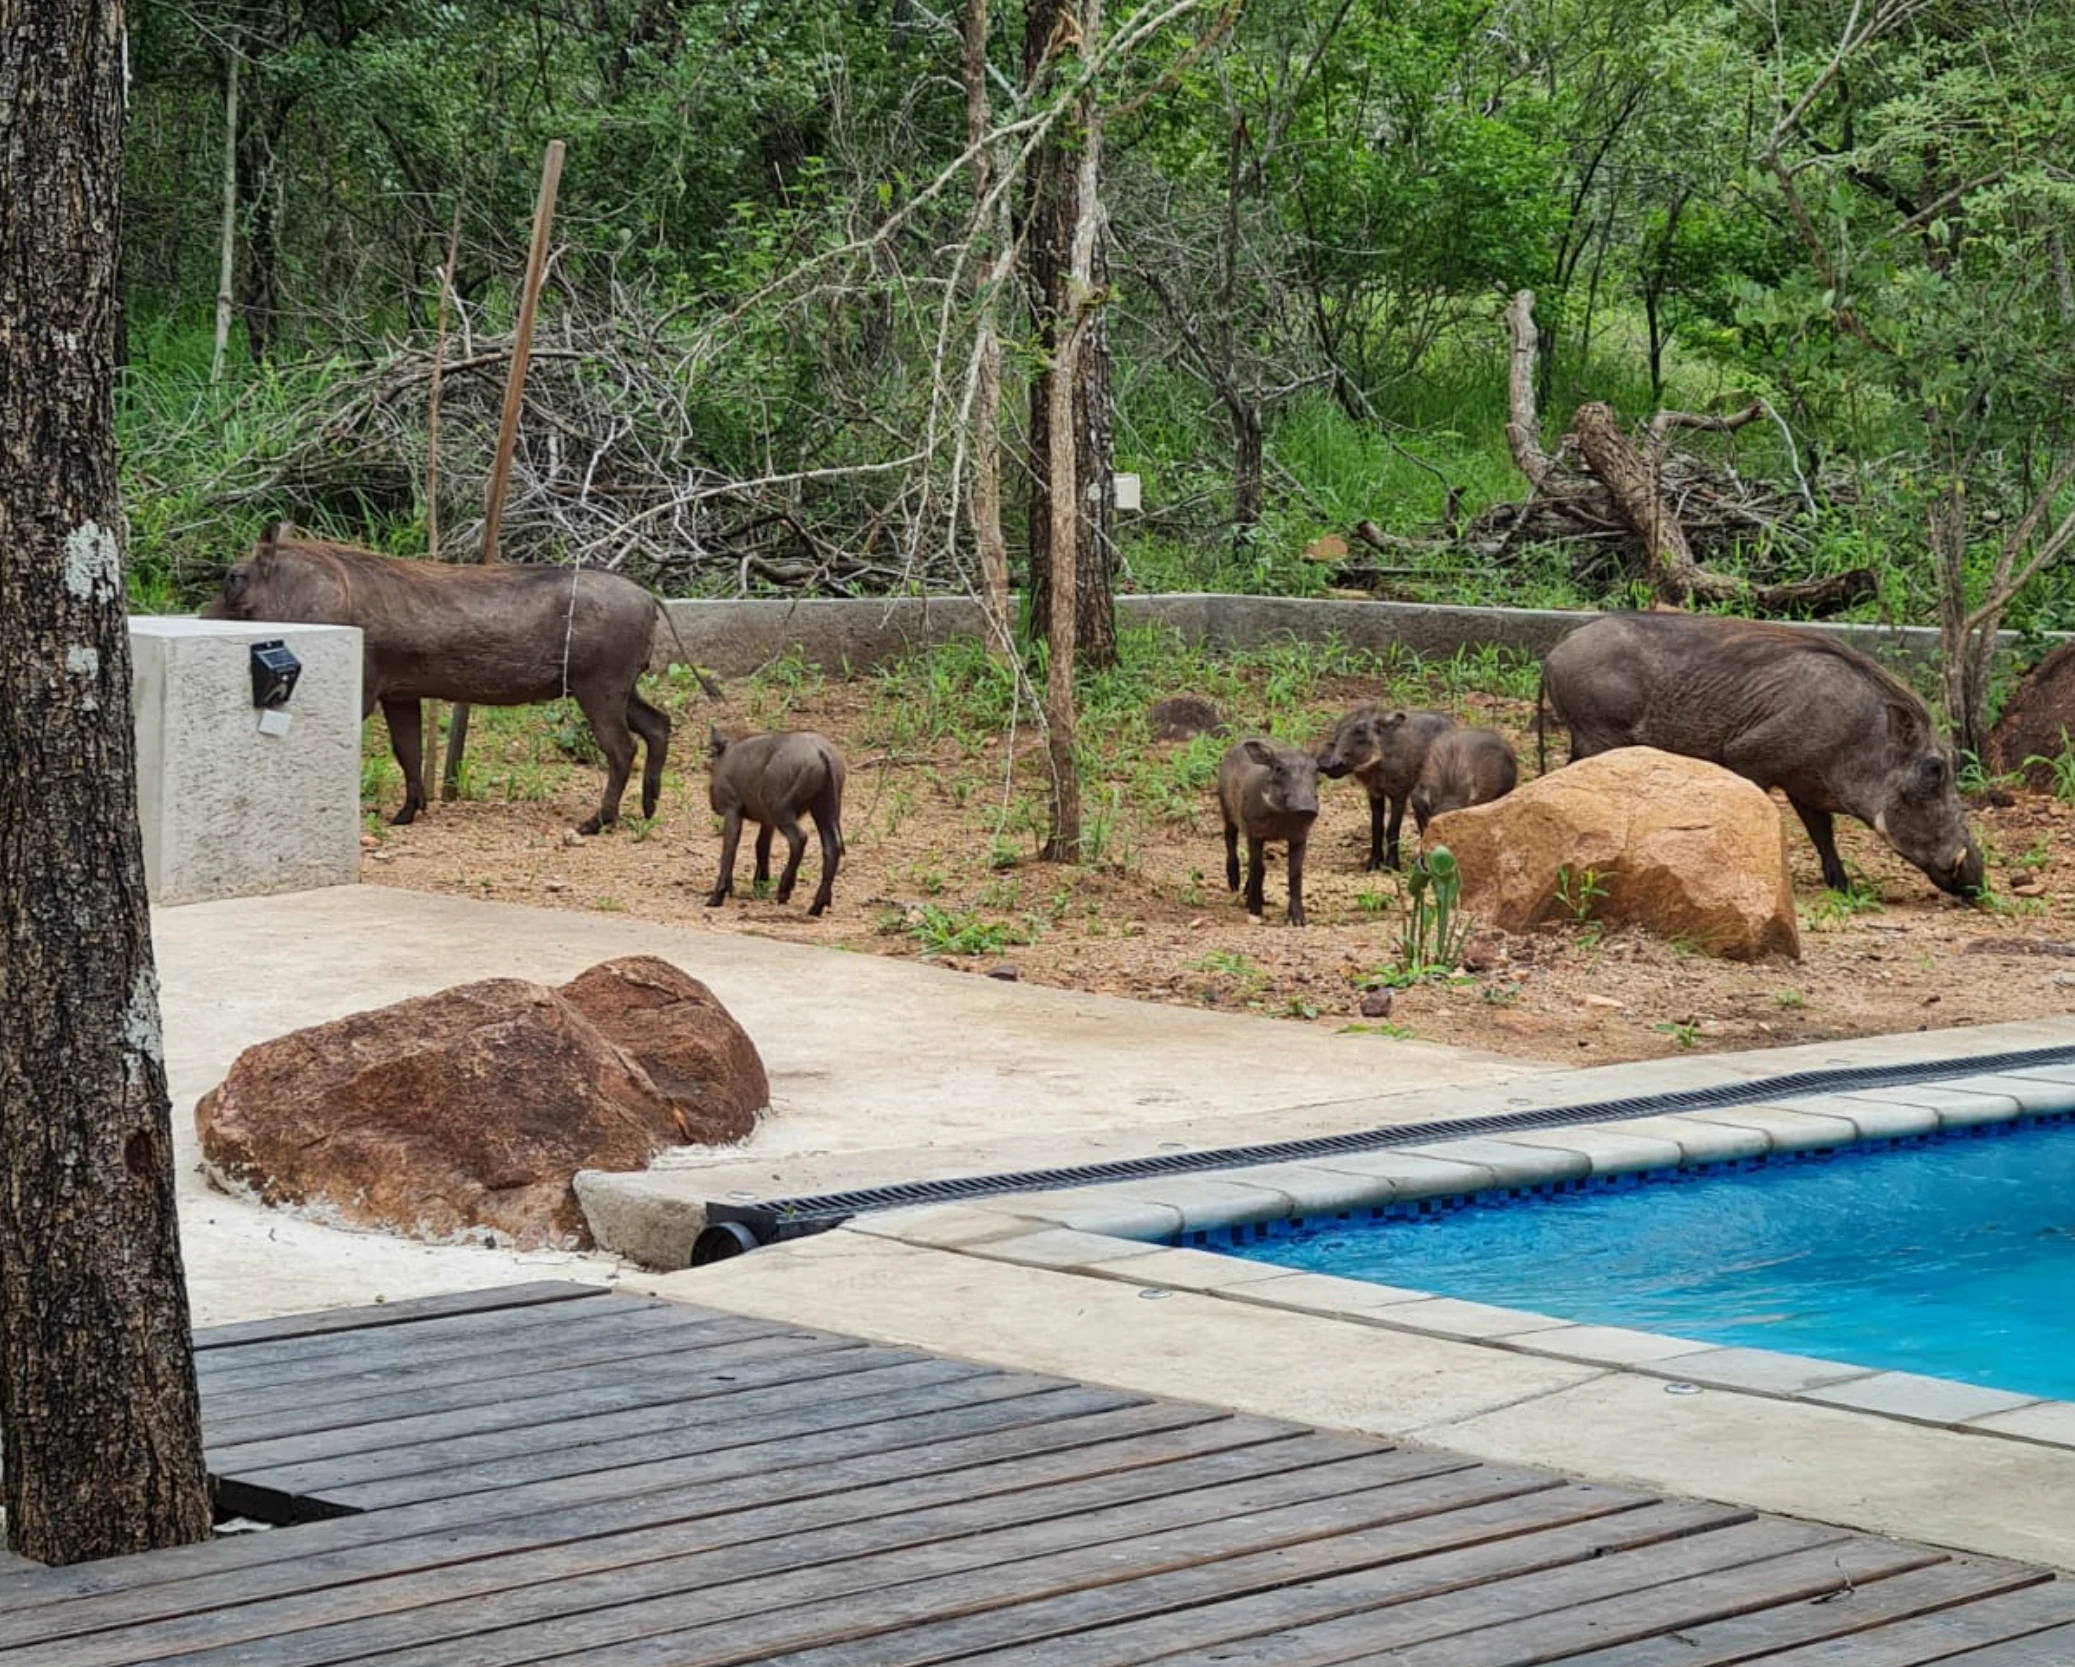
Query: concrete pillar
x=228 y=809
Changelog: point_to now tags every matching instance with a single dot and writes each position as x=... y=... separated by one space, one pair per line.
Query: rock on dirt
x=474 y=1108
x=1635 y=836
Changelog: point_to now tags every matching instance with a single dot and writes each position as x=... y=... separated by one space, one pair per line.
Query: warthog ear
x=1261 y=752
x=1392 y=721
x=716 y=742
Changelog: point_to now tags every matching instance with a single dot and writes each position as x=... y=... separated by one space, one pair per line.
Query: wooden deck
x=553 y=1474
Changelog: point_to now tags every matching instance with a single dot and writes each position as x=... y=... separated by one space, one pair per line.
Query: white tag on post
x=273 y=721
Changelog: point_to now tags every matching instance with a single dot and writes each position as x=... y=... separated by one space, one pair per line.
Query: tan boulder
x=474 y=1108
x=1678 y=846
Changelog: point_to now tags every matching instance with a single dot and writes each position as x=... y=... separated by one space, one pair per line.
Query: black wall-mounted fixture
x=274 y=671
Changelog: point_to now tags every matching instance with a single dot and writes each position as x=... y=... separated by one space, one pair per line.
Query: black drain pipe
x=732 y=1229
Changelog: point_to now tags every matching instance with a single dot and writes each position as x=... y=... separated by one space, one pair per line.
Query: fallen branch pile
x=610 y=469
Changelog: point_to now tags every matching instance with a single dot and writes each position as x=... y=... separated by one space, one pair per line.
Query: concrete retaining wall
x=228 y=811
x=837 y=635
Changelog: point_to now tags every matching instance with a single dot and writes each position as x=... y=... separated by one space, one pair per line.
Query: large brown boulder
x=2038 y=718
x=475 y=1107
x=1680 y=847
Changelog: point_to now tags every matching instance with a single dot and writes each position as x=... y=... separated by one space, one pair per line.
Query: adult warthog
x=499 y=635
x=1782 y=707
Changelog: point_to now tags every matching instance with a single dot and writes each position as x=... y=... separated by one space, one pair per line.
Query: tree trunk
x=1053 y=210
x=228 y=265
x=99 y=1415
x=986 y=427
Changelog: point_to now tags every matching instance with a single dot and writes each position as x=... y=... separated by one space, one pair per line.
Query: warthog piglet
x=1464 y=767
x=1384 y=751
x=770 y=780
x=1270 y=792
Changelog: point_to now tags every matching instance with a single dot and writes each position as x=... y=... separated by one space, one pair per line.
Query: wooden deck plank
x=1654 y=1612
x=293 y=1416
x=531 y=1331
x=556 y=1474
x=450 y=1606
x=660 y=1380
x=2042 y=1649
x=368 y=1317
x=784 y=1511
x=2038 y=1618
x=838 y=1615
x=1953 y=1583
x=1253 y=1619
x=957 y=1447
x=826 y=1392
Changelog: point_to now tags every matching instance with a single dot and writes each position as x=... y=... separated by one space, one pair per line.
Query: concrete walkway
x=880 y=1070
x=887 y=1070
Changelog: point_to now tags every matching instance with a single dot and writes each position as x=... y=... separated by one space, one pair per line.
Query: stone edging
x=839 y=635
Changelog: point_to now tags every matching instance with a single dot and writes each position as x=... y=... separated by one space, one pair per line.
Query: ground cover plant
x=945 y=813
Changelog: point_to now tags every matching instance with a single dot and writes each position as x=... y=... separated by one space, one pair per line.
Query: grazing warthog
x=1782 y=707
x=1464 y=767
x=498 y=635
x=1385 y=752
x=770 y=780
x=1271 y=792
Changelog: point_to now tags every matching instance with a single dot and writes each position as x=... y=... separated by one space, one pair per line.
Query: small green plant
x=942 y=931
x=1231 y=963
x=2061 y=767
x=1683 y=1032
x=1300 y=1007
x=1580 y=892
x=1374 y=900
x=1001 y=892
x=1003 y=852
x=1790 y=998
x=1860 y=898
x=1500 y=995
x=2033 y=858
x=1192 y=895
x=1382 y=1027
x=608 y=905
x=1435 y=927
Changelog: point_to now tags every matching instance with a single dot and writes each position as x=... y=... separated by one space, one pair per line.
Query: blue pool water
x=1952 y=1256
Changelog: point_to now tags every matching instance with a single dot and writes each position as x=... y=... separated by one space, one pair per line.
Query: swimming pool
x=1951 y=1255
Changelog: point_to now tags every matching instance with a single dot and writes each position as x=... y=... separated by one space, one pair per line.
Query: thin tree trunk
x=1076 y=325
x=1053 y=214
x=986 y=434
x=99 y=1414
x=228 y=265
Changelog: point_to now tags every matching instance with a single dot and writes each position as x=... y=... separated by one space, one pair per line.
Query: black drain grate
x=738 y=1227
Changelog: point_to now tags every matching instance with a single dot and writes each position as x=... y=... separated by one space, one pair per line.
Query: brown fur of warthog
x=1464 y=767
x=497 y=635
x=1384 y=751
x=1269 y=792
x=1782 y=707
x=770 y=780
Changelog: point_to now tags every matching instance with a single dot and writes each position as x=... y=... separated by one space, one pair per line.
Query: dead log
x=1633 y=484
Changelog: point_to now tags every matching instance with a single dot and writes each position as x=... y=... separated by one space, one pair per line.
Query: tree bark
x=99 y=1415
x=227 y=265
x=985 y=511
x=1523 y=424
x=1053 y=183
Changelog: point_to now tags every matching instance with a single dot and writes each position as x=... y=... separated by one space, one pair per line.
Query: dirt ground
x=930 y=873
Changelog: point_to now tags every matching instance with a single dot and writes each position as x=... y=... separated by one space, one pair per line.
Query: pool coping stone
x=1139 y=1232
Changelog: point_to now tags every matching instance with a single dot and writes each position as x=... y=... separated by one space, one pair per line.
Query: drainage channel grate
x=737 y=1227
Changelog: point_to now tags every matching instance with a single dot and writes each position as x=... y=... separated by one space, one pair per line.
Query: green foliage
x=2061 y=767
x=1434 y=928
x=1579 y=893
x=945 y=931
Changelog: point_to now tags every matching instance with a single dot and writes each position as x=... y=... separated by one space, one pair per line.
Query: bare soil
x=927 y=860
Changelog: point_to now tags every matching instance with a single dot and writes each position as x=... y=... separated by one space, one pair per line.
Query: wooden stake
x=508 y=426
x=429 y=756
